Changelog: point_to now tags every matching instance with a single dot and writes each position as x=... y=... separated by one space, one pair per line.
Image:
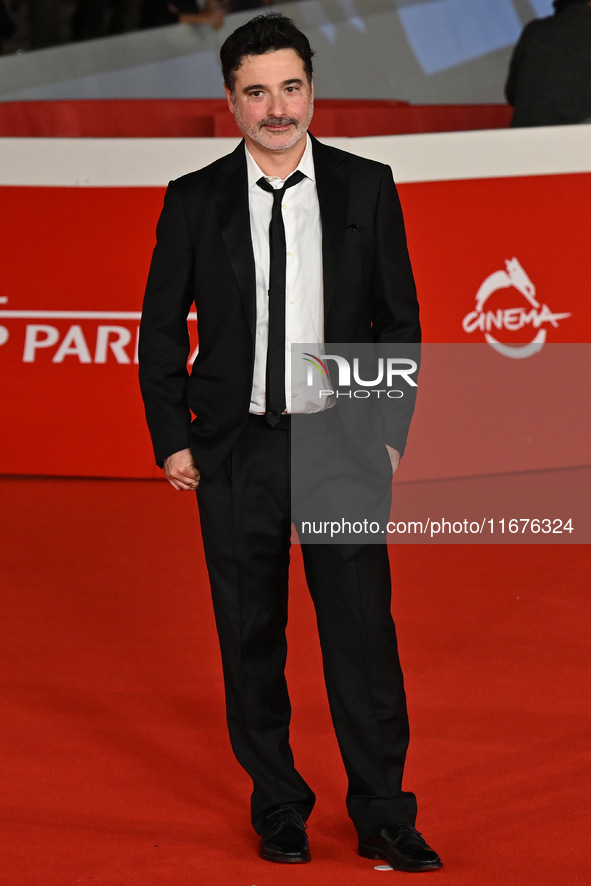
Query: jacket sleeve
x=164 y=338
x=395 y=308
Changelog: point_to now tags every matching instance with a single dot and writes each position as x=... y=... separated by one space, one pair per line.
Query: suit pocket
x=353 y=237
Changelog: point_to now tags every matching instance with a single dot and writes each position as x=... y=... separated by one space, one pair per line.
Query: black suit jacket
x=204 y=256
x=549 y=81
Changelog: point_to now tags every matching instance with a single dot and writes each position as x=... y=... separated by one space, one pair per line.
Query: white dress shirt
x=304 y=308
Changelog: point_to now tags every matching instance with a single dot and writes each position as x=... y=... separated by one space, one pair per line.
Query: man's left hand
x=394 y=458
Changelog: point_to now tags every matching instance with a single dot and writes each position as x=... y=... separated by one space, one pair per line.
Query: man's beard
x=269 y=140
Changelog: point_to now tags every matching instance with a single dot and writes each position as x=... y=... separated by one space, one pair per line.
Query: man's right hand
x=180 y=471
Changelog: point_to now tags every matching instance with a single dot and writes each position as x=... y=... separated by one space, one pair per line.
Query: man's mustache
x=278 y=121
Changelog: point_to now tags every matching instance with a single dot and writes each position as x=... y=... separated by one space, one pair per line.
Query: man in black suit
x=549 y=81
x=335 y=223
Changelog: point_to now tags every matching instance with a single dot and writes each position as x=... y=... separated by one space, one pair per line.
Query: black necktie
x=275 y=380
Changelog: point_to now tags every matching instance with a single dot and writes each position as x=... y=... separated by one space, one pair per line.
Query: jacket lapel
x=231 y=196
x=332 y=185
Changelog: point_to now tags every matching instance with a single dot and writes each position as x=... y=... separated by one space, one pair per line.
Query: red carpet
x=116 y=766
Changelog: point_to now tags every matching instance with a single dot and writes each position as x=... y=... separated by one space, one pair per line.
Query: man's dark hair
x=265 y=33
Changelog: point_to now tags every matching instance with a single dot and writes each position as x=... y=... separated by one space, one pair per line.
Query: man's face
x=272 y=100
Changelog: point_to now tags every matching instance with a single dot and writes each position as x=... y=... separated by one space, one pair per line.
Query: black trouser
x=246 y=528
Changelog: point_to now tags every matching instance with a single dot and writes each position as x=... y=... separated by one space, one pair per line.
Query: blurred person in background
x=240 y=5
x=44 y=23
x=549 y=80
x=157 y=13
x=98 y=18
x=7 y=23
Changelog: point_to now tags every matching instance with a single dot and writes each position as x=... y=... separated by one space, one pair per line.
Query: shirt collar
x=306 y=165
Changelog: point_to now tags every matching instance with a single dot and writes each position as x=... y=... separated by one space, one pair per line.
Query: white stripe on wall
x=87 y=162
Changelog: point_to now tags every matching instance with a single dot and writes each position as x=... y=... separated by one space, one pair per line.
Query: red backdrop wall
x=75 y=260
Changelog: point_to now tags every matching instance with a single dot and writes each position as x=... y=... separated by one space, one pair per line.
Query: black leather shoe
x=284 y=838
x=402 y=847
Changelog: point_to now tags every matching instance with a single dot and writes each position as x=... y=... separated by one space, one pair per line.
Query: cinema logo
x=532 y=316
x=353 y=383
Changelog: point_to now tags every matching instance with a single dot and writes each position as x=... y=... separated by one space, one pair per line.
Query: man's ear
x=229 y=99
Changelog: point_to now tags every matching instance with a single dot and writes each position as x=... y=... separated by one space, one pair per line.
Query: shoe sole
x=376 y=855
x=285 y=859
